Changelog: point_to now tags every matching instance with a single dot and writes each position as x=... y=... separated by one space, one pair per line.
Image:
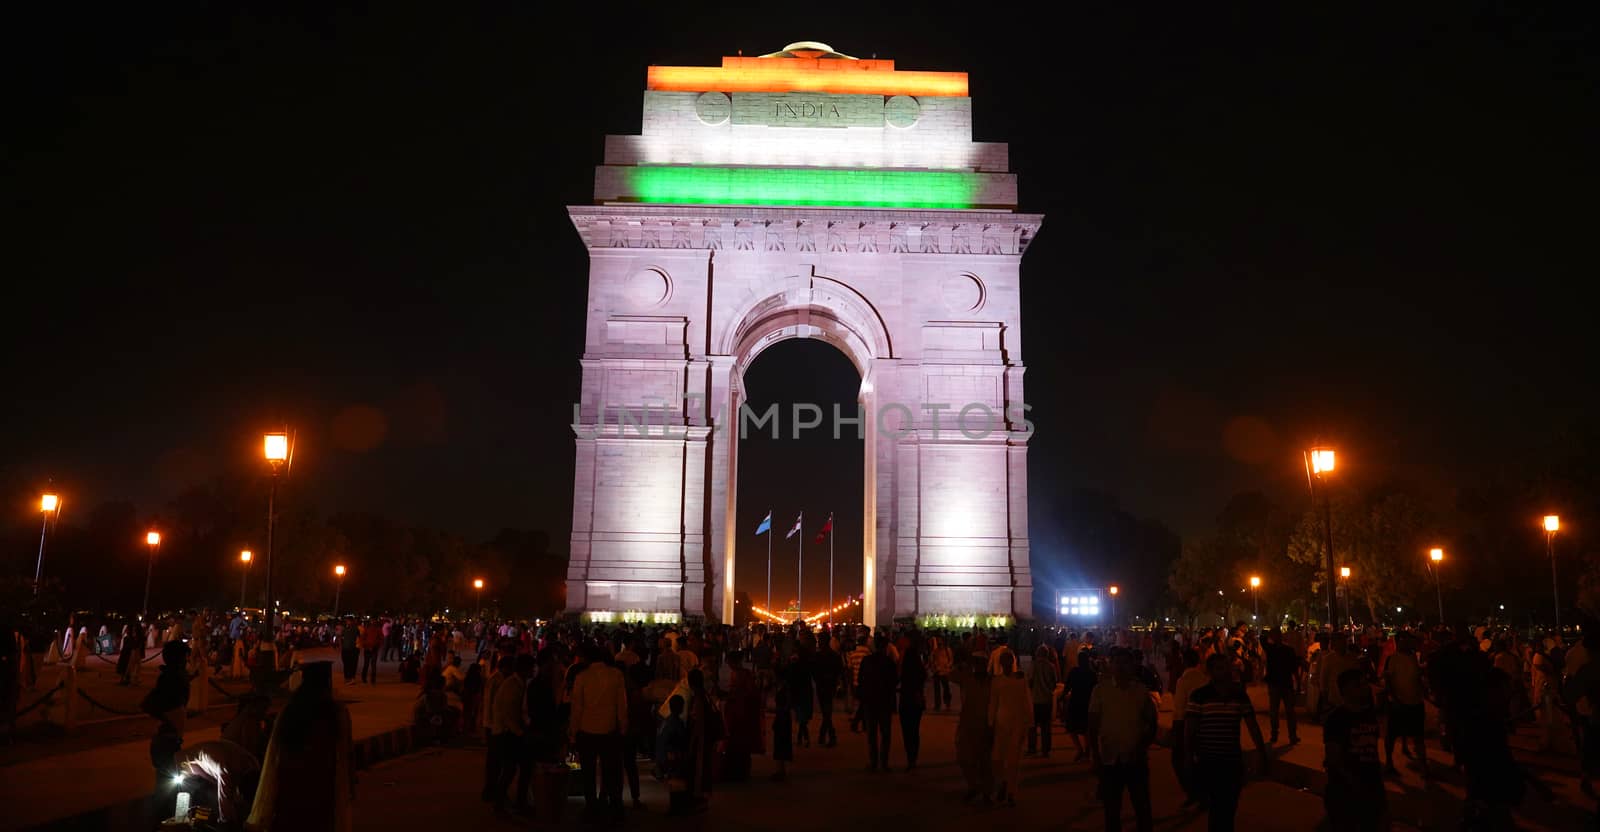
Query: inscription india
x=807 y=109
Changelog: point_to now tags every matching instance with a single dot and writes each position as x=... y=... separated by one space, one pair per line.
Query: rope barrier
x=222 y=690
x=104 y=707
x=41 y=700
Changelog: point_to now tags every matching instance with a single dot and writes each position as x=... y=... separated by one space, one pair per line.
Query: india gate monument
x=802 y=194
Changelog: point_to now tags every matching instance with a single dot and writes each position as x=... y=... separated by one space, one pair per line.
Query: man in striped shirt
x=1211 y=729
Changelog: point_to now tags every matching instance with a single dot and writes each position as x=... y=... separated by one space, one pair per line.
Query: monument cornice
x=791 y=229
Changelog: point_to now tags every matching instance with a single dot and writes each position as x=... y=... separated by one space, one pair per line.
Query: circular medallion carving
x=962 y=292
x=713 y=108
x=901 y=111
x=647 y=287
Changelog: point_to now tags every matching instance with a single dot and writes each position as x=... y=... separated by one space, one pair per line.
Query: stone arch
x=823 y=309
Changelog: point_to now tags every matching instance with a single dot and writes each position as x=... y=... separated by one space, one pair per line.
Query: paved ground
x=45 y=778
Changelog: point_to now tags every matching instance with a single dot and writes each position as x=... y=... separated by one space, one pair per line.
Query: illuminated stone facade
x=802 y=195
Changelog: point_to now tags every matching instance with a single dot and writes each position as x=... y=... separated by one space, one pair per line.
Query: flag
x=766 y=524
x=796 y=530
x=826 y=527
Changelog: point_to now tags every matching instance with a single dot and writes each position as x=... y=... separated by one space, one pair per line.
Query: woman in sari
x=705 y=734
x=742 y=711
x=307 y=778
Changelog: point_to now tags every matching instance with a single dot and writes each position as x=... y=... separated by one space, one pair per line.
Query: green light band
x=803 y=186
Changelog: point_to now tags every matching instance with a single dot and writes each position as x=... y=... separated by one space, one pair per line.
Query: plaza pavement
x=96 y=777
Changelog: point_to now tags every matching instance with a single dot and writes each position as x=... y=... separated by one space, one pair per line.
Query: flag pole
x=768 y=560
x=800 y=563
x=830 y=568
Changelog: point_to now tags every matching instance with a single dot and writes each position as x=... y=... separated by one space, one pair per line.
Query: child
x=782 y=732
x=672 y=745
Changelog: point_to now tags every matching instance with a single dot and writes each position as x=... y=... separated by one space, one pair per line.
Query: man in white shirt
x=599 y=721
x=1122 y=724
x=507 y=719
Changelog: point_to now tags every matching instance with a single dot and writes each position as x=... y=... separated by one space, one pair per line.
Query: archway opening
x=798 y=470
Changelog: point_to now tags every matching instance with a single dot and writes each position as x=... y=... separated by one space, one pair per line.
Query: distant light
x=1255 y=582
x=1502 y=606
x=246 y=555
x=1344 y=571
x=1552 y=523
x=477 y=584
x=177 y=779
x=276 y=447
x=339 y=570
x=48 y=503
x=1321 y=460
x=1114 y=589
x=1396 y=609
x=1436 y=554
x=153 y=538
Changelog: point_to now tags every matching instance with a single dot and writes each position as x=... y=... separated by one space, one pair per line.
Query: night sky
x=1261 y=227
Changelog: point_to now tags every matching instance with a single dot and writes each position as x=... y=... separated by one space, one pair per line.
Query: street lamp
x=1552 y=524
x=1319 y=464
x=1436 y=557
x=50 y=507
x=1255 y=595
x=152 y=539
x=275 y=448
x=338 y=587
x=1113 y=590
x=477 y=584
x=1344 y=592
x=245 y=557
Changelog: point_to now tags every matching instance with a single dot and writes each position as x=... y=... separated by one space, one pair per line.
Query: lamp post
x=1319 y=464
x=50 y=507
x=1344 y=593
x=338 y=587
x=245 y=557
x=1113 y=590
x=1436 y=557
x=153 y=541
x=1255 y=596
x=477 y=585
x=275 y=447
x=1552 y=524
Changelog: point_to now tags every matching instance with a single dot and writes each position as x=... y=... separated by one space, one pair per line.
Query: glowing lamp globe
x=339 y=570
x=1114 y=590
x=1322 y=461
x=246 y=555
x=1436 y=554
x=1255 y=582
x=1552 y=523
x=48 y=503
x=276 y=447
x=153 y=538
x=1344 y=571
x=477 y=584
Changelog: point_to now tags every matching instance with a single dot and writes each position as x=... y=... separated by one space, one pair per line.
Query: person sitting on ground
x=454 y=675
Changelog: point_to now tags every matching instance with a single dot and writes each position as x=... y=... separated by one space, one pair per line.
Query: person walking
x=827 y=668
x=350 y=650
x=371 y=642
x=506 y=717
x=1122 y=724
x=913 y=701
x=1402 y=681
x=797 y=678
x=857 y=655
x=1283 y=667
x=1042 y=689
x=1079 y=687
x=599 y=720
x=1010 y=715
x=1191 y=679
x=1354 y=800
x=877 y=684
x=1211 y=723
x=974 y=737
x=941 y=663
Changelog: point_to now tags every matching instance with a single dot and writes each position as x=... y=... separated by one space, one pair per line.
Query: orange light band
x=803 y=75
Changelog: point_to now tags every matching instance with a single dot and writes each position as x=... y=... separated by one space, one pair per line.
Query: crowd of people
x=555 y=700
